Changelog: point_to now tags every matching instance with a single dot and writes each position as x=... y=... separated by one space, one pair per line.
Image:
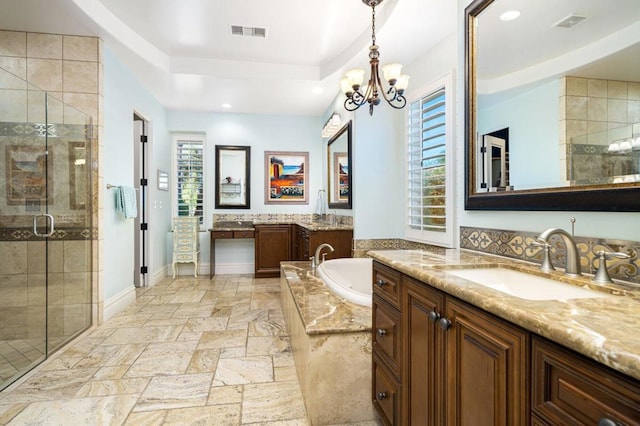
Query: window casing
x=188 y=164
x=429 y=179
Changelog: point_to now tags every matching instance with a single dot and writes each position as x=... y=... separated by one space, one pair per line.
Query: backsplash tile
x=517 y=245
x=361 y=247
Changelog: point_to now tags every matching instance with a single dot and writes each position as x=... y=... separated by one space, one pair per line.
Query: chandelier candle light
x=351 y=83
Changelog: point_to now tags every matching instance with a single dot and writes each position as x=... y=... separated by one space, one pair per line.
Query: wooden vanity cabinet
x=306 y=241
x=273 y=245
x=571 y=389
x=487 y=368
x=458 y=364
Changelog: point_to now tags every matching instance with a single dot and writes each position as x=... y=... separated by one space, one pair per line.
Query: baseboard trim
x=203 y=269
x=119 y=302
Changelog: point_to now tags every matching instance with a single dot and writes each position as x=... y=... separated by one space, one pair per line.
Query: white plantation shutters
x=189 y=176
x=430 y=167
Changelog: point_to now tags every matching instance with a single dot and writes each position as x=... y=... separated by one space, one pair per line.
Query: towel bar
x=109 y=186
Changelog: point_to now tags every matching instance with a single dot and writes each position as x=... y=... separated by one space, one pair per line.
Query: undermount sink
x=524 y=285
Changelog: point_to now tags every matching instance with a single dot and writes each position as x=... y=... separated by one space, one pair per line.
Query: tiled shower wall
x=591 y=107
x=70 y=69
x=517 y=245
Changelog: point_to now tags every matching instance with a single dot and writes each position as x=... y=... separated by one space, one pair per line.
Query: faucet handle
x=602 y=274
x=313 y=262
x=546 y=264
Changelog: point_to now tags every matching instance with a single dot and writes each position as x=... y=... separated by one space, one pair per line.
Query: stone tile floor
x=190 y=351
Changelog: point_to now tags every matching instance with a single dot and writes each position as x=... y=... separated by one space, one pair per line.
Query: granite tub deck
x=604 y=329
x=331 y=345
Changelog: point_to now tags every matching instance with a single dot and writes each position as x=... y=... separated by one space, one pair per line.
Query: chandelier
x=351 y=83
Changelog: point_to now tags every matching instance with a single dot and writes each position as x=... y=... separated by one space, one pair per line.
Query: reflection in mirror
x=568 y=90
x=78 y=175
x=233 y=186
x=339 y=169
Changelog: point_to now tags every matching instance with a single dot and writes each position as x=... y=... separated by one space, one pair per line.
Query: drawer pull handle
x=434 y=316
x=381 y=282
x=445 y=324
x=381 y=332
x=382 y=395
x=607 y=422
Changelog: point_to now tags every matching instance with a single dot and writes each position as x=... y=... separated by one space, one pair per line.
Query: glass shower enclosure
x=46 y=225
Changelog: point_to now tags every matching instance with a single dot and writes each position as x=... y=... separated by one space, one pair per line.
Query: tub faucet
x=572 y=266
x=319 y=250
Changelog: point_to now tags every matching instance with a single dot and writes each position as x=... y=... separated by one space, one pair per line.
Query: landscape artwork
x=286 y=177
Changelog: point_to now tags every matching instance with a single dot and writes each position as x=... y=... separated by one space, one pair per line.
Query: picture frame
x=233 y=177
x=286 y=177
x=27 y=179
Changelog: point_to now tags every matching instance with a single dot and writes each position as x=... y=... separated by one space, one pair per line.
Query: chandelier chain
x=373 y=25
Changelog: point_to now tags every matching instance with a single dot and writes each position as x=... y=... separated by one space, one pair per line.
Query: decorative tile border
x=517 y=245
x=282 y=217
x=46 y=129
x=361 y=247
x=60 y=234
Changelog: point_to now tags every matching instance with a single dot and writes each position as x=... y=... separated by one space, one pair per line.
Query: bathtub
x=349 y=278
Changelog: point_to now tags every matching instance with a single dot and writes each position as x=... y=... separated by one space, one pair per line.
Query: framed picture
x=286 y=177
x=233 y=177
x=27 y=175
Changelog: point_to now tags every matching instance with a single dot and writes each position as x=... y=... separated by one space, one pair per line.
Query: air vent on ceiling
x=570 y=20
x=249 y=31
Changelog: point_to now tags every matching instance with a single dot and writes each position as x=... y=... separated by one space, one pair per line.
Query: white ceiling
x=605 y=45
x=184 y=53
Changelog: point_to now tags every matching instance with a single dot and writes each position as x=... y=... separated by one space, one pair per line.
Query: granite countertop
x=605 y=329
x=249 y=225
x=320 y=309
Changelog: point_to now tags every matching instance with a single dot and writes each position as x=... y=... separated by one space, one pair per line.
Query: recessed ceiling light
x=317 y=90
x=509 y=15
x=226 y=106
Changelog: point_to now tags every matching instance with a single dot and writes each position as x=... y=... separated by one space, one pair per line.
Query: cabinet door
x=340 y=241
x=387 y=333
x=487 y=368
x=424 y=374
x=273 y=245
x=571 y=389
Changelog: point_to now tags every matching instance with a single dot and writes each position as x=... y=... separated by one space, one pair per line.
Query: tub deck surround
x=604 y=329
x=320 y=310
x=331 y=345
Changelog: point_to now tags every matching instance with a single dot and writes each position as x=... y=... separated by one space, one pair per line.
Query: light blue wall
x=124 y=95
x=610 y=225
x=532 y=119
x=262 y=133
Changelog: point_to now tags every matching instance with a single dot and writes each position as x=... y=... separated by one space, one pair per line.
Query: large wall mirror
x=553 y=105
x=340 y=169
x=233 y=177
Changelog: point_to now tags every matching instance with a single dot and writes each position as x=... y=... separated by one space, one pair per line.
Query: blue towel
x=126 y=201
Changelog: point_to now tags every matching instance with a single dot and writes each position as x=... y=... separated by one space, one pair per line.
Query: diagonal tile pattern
x=188 y=352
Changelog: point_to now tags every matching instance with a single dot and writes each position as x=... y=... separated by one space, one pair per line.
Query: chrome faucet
x=317 y=258
x=572 y=266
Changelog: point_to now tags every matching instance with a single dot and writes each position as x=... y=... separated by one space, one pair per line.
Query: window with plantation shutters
x=430 y=167
x=189 y=175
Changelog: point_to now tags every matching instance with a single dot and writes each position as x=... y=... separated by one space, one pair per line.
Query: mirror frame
x=624 y=198
x=342 y=204
x=219 y=203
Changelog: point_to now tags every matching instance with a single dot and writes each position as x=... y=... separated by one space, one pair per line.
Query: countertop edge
x=587 y=330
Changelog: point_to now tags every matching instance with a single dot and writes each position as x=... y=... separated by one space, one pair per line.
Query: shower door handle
x=50 y=222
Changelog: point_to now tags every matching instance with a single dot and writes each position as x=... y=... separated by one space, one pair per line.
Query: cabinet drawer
x=386 y=397
x=221 y=234
x=386 y=283
x=243 y=234
x=571 y=389
x=386 y=333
